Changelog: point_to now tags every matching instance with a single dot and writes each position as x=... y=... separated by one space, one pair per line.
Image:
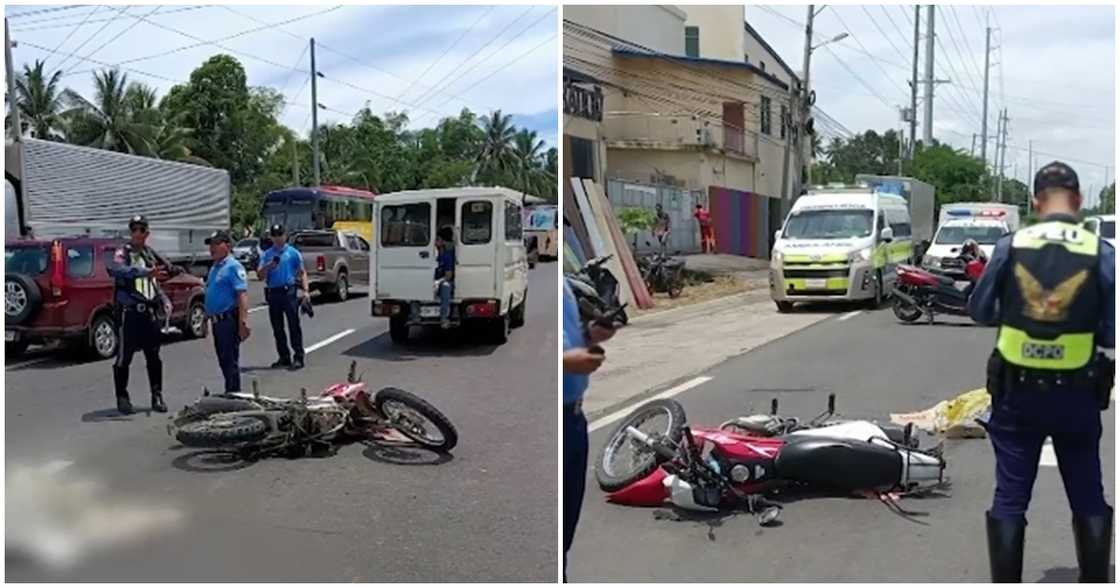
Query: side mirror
x=886 y=235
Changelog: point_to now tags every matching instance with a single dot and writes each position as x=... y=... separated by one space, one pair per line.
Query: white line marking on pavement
x=849 y=315
x=604 y=421
x=27 y=363
x=56 y=466
x=328 y=341
x=258 y=308
x=1048 y=457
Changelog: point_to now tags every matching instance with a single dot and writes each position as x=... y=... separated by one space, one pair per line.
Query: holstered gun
x=996 y=376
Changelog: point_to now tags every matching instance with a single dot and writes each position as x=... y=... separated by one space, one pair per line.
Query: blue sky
x=430 y=61
x=1053 y=69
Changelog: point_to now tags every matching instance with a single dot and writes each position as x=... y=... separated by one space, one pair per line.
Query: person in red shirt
x=707 y=236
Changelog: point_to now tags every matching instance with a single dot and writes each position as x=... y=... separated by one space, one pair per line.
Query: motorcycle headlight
x=861 y=255
x=740 y=473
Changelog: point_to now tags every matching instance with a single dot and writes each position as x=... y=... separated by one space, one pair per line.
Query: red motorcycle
x=653 y=457
x=918 y=292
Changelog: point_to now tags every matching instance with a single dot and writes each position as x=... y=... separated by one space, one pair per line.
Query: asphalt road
x=365 y=514
x=875 y=366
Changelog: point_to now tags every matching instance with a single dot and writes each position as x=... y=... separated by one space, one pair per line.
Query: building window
x=692 y=41
x=764 y=115
x=762 y=65
x=583 y=158
x=785 y=117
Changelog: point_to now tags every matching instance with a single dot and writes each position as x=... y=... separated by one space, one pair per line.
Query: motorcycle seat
x=843 y=464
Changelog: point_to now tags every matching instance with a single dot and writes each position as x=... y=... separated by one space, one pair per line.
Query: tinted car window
x=406 y=225
x=79 y=262
x=26 y=260
x=314 y=240
x=513 y=222
x=477 y=223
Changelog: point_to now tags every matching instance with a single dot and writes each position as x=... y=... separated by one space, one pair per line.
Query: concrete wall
x=691 y=170
x=657 y=27
x=721 y=31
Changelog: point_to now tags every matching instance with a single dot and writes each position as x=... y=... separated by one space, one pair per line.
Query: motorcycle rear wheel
x=222 y=432
x=388 y=401
x=642 y=462
x=905 y=311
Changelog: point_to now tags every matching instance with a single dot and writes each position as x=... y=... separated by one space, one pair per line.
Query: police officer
x=1051 y=290
x=227 y=307
x=138 y=306
x=280 y=267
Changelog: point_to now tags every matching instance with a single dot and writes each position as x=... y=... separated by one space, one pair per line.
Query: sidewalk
x=664 y=347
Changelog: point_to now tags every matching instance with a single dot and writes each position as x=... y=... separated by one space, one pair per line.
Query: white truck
x=919 y=196
x=68 y=190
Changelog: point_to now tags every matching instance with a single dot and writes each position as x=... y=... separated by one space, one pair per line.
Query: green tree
x=108 y=121
x=41 y=102
x=496 y=156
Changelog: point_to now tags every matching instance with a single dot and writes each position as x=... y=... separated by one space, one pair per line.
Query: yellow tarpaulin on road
x=955 y=418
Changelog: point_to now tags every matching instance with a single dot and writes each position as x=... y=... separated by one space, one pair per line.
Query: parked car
x=532 y=250
x=334 y=260
x=1103 y=226
x=248 y=251
x=62 y=290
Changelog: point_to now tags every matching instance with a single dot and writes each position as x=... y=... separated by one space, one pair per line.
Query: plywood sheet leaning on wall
x=573 y=216
x=633 y=275
x=595 y=245
x=604 y=243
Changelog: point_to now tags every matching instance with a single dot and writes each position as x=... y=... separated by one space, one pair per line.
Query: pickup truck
x=334 y=260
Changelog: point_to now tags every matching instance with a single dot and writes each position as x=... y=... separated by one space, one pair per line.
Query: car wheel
x=784 y=307
x=103 y=337
x=518 y=314
x=21 y=298
x=398 y=330
x=195 y=327
x=342 y=287
x=500 y=329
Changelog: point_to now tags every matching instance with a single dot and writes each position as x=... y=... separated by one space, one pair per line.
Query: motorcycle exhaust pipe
x=905 y=297
x=646 y=440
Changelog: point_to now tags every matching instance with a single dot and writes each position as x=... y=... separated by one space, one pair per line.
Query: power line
x=964 y=36
x=822 y=37
x=860 y=43
x=446 y=51
x=46 y=10
x=23 y=28
x=117 y=36
x=881 y=31
x=70 y=34
x=906 y=40
x=462 y=72
x=108 y=65
x=91 y=37
x=266 y=23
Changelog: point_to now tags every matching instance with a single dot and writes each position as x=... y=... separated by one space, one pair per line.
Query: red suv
x=62 y=289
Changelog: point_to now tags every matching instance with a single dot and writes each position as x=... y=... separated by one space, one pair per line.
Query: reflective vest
x=144 y=287
x=1050 y=305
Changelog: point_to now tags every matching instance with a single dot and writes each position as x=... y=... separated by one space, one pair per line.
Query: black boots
x=1005 y=548
x=1093 y=538
x=155 y=381
x=120 y=384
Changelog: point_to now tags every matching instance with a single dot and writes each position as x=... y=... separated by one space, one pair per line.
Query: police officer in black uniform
x=139 y=306
x=1051 y=289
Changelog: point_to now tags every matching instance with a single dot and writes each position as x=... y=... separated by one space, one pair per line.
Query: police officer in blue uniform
x=227 y=307
x=280 y=267
x=1051 y=289
x=138 y=307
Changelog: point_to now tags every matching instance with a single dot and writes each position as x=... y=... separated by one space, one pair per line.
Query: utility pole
x=314 y=114
x=927 y=124
x=295 y=164
x=972 y=150
x=984 y=118
x=13 y=99
x=1030 y=172
x=914 y=83
x=803 y=104
x=1002 y=156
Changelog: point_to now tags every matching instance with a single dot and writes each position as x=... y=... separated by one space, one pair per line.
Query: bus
x=326 y=207
x=542 y=221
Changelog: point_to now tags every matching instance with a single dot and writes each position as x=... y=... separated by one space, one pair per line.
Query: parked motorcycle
x=653 y=456
x=597 y=293
x=662 y=273
x=919 y=292
x=254 y=426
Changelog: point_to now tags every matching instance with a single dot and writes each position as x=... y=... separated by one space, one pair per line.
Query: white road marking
x=1048 y=457
x=849 y=315
x=328 y=341
x=27 y=363
x=56 y=466
x=258 y=309
x=615 y=416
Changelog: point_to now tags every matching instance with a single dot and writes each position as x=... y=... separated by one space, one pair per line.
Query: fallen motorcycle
x=919 y=292
x=751 y=456
x=255 y=426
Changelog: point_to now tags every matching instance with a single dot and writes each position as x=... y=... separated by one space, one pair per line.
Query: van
x=840 y=244
x=943 y=253
x=1103 y=226
x=491 y=267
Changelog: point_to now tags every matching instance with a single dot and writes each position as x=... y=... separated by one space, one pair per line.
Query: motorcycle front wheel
x=623 y=460
x=222 y=431
x=905 y=311
x=416 y=419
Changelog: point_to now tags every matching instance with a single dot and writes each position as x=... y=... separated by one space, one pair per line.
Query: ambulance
x=983 y=222
x=840 y=243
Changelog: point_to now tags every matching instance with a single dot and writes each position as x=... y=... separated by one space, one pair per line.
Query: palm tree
x=528 y=161
x=496 y=155
x=109 y=120
x=40 y=102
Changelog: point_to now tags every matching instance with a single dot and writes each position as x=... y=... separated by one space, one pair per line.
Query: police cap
x=1056 y=175
x=218 y=237
x=138 y=221
x=276 y=230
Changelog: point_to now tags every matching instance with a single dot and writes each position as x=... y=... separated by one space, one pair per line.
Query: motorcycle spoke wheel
x=624 y=460
x=416 y=419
